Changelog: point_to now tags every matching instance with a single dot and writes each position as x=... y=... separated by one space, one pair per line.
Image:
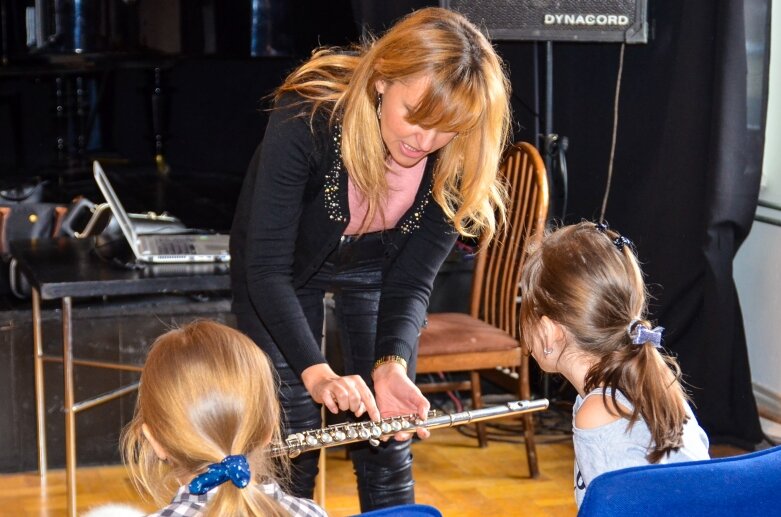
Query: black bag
x=26 y=192
x=29 y=221
x=24 y=221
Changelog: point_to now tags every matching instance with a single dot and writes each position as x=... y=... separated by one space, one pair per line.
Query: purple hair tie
x=234 y=468
x=640 y=334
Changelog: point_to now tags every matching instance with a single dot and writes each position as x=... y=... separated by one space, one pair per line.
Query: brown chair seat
x=457 y=333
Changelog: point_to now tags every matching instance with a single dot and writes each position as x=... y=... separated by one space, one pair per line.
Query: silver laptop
x=167 y=248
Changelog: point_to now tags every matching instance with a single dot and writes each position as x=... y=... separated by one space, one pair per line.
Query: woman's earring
x=379 y=106
x=547 y=351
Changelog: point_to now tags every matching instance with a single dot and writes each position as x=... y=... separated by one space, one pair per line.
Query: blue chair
x=405 y=510
x=744 y=485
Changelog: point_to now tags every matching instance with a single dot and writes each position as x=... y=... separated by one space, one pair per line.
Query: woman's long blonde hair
x=206 y=392
x=468 y=93
x=591 y=284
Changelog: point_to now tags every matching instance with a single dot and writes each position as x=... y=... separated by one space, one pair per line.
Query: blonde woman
x=373 y=161
x=207 y=409
x=583 y=315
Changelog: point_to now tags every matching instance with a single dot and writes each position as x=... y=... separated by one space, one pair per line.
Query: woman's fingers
x=355 y=397
x=341 y=395
x=366 y=400
x=331 y=401
x=360 y=397
x=349 y=393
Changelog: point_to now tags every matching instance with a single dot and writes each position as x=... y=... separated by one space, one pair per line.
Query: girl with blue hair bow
x=207 y=409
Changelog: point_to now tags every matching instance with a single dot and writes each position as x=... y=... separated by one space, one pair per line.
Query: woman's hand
x=348 y=393
x=398 y=395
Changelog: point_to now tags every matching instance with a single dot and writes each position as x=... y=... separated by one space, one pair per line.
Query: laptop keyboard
x=175 y=247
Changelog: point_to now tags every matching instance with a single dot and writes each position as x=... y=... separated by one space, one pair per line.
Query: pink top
x=403 y=185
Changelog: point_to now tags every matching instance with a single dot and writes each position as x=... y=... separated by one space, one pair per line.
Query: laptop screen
x=116 y=207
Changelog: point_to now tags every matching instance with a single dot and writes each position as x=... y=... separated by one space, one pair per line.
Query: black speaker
x=557 y=20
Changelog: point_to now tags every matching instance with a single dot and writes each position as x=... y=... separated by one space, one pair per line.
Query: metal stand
x=319 y=495
x=554 y=147
x=70 y=406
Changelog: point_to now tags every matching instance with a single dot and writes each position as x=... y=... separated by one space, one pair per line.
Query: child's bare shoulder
x=597 y=411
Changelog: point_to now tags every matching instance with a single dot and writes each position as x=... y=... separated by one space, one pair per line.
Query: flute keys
x=297 y=443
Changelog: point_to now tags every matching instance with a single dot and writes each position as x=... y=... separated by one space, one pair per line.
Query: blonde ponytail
x=206 y=392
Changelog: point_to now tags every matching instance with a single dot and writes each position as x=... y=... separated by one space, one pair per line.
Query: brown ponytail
x=651 y=382
x=586 y=278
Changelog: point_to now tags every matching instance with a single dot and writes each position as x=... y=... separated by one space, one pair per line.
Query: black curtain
x=374 y=17
x=681 y=187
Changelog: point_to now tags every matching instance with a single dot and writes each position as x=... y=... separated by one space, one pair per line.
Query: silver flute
x=350 y=432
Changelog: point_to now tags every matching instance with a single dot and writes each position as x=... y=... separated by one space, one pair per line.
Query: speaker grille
x=558 y=20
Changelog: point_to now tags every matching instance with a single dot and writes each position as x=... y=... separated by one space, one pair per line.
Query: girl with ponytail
x=207 y=409
x=583 y=314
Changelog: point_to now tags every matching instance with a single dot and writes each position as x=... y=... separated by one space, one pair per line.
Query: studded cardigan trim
x=331 y=188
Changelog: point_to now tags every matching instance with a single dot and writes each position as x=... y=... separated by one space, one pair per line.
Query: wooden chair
x=488 y=337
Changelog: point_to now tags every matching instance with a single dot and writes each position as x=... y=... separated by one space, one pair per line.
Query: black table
x=63 y=269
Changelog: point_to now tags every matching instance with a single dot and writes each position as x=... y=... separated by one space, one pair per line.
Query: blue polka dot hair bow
x=233 y=468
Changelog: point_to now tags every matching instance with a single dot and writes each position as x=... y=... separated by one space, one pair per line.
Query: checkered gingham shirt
x=185 y=504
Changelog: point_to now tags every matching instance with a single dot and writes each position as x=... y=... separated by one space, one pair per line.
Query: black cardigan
x=291 y=213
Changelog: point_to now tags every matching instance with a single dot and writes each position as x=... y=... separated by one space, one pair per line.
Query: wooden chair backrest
x=495 y=293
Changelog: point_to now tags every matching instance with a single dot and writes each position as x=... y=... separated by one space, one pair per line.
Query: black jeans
x=353 y=273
